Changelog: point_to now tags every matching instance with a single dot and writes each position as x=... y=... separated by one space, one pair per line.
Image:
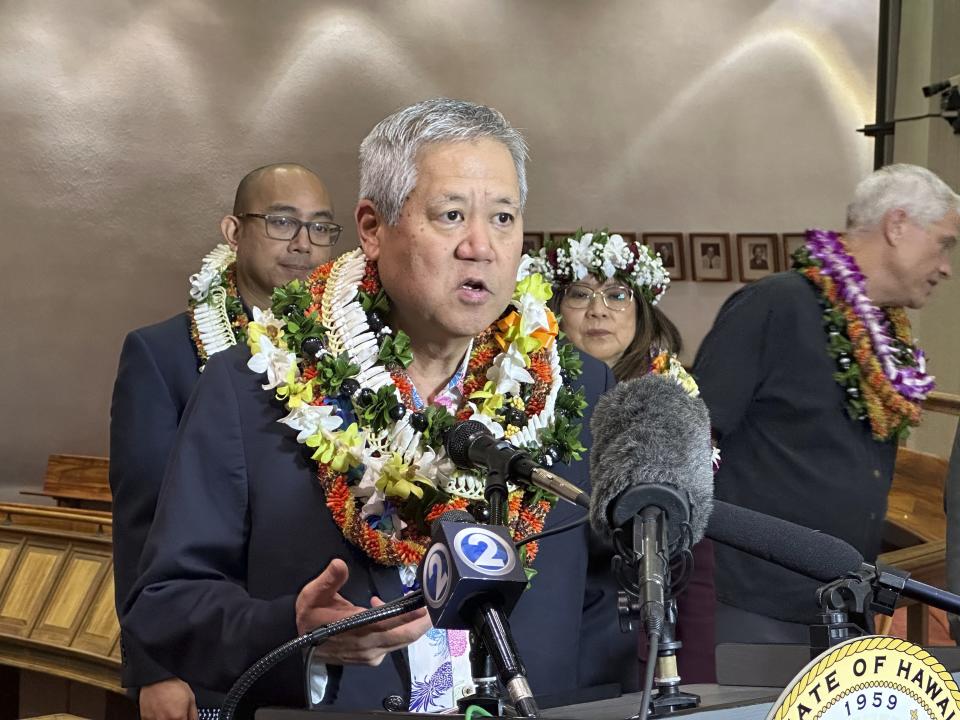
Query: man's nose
x=476 y=244
x=301 y=241
x=946 y=268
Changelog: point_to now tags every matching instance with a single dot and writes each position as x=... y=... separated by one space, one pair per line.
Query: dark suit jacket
x=242 y=526
x=158 y=369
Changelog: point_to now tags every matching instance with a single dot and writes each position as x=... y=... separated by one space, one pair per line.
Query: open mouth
x=475 y=285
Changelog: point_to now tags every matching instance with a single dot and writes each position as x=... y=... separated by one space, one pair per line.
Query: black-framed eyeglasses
x=286 y=228
x=616 y=297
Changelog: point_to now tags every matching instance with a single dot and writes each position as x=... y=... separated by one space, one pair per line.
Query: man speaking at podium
x=265 y=530
x=811 y=377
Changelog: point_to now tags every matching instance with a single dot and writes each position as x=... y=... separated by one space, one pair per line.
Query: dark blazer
x=241 y=527
x=158 y=369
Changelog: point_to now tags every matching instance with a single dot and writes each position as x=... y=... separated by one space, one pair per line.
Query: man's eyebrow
x=447 y=197
x=281 y=208
x=456 y=197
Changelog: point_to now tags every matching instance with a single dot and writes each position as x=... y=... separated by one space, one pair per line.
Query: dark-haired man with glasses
x=280 y=229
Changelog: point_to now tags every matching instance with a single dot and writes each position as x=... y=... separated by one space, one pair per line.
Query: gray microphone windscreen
x=650 y=431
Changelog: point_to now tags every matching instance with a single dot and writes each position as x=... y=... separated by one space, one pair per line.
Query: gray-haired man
x=246 y=521
x=811 y=376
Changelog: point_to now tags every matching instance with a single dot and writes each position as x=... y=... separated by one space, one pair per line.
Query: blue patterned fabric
x=439 y=670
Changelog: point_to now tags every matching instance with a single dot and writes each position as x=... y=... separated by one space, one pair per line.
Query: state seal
x=871 y=678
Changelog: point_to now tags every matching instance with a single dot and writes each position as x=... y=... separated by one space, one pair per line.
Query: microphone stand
x=655 y=602
x=871 y=589
x=669 y=697
x=492 y=650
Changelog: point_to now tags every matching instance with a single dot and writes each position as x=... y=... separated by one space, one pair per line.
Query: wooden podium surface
x=717 y=703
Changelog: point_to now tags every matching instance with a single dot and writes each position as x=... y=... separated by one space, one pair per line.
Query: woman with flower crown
x=606 y=292
x=812 y=377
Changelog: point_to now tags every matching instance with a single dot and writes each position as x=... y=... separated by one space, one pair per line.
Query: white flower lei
x=208 y=308
x=348 y=331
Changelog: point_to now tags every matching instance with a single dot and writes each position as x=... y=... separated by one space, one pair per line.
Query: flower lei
x=217 y=318
x=668 y=365
x=604 y=256
x=331 y=359
x=880 y=367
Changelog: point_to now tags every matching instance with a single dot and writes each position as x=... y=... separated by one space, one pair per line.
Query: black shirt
x=788 y=447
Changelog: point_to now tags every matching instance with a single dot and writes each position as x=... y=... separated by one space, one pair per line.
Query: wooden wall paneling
x=9 y=552
x=71 y=596
x=100 y=630
x=37 y=567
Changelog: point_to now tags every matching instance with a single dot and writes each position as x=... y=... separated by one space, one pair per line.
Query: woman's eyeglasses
x=616 y=297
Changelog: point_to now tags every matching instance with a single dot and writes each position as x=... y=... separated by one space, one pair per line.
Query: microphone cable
x=653 y=639
x=552 y=531
x=405 y=604
x=413 y=601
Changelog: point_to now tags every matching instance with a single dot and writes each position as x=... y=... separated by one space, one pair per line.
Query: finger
x=390 y=623
x=371 y=650
x=392 y=634
x=323 y=588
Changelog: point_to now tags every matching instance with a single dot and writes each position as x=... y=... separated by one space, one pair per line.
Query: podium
x=719 y=703
x=752 y=676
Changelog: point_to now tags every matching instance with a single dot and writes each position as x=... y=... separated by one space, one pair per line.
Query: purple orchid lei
x=904 y=365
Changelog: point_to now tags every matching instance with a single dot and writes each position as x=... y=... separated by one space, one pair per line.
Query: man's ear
x=370 y=228
x=230 y=229
x=894 y=224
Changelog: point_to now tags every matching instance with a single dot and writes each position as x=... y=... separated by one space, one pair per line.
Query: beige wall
x=126 y=126
x=929 y=52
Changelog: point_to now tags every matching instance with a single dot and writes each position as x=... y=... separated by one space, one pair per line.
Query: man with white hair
x=811 y=377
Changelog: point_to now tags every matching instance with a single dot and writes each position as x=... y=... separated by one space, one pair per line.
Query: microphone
x=818 y=556
x=651 y=466
x=939 y=87
x=808 y=552
x=651 y=447
x=470 y=444
x=472 y=579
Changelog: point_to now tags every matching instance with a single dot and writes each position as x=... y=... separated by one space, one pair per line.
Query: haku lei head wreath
x=604 y=256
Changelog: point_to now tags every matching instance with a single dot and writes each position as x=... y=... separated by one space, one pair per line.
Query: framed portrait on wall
x=791 y=241
x=757 y=255
x=561 y=235
x=628 y=237
x=532 y=241
x=669 y=246
x=710 y=256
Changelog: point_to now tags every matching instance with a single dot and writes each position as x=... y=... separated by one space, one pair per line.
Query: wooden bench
x=916 y=522
x=76 y=481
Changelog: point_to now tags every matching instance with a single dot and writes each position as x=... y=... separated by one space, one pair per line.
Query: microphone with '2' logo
x=472 y=579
